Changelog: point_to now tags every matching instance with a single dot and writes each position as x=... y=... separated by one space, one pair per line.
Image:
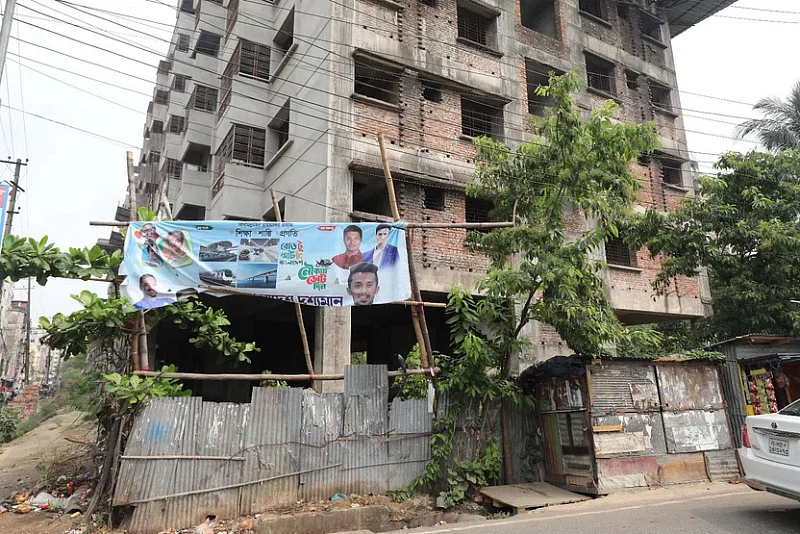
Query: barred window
x=619 y=253
x=154 y=157
x=183 y=42
x=158 y=127
x=253 y=59
x=473 y=26
x=176 y=124
x=592 y=7
x=179 y=83
x=476 y=210
x=599 y=73
x=174 y=168
x=433 y=199
x=204 y=98
x=479 y=119
x=243 y=144
x=162 y=97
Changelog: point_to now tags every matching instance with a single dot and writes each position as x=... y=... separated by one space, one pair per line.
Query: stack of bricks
x=27 y=402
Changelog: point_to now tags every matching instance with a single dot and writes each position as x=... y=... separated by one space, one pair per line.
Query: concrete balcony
x=171 y=147
x=198 y=130
x=238 y=193
x=156 y=111
x=205 y=70
x=195 y=188
x=634 y=301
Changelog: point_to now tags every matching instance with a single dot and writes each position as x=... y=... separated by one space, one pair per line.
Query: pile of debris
x=65 y=496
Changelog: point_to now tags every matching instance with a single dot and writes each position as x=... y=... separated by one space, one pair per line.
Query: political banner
x=317 y=264
x=4 y=192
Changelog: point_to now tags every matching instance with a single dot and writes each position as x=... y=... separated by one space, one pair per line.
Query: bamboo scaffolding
x=411 y=225
x=417 y=312
x=297 y=309
x=259 y=377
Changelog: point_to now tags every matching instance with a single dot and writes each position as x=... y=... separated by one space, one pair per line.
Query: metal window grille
x=472 y=26
x=598 y=74
x=232 y=16
x=660 y=97
x=375 y=83
x=183 y=42
x=593 y=7
x=162 y=97
x=154 y=157
x=243 y=144
x=476 y=210
x=176 y=124
x=479 y=119
x=671 y=173
x=174 y=168
x=158 y=127
x=164 y=66
x=187 y=6
x=204 y=98
x=253 y=60
x=619 y=253
x=179 y=83
x=226 y=84
x=433 y=198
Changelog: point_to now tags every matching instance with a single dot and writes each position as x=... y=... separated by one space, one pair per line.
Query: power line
x=103 y=137
x=294 y=97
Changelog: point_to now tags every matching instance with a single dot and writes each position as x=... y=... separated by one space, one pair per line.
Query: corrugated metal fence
x=287 y=444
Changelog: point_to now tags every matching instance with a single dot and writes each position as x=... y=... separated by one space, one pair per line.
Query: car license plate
x=779 y=447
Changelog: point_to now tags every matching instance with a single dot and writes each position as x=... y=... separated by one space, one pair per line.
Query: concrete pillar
x=331 y=345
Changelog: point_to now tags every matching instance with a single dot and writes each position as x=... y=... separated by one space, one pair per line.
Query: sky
x=724 y=65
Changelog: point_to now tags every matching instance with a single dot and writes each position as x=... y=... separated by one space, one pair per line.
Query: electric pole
x=28 y=344
x=5 y=32
x=12 y=201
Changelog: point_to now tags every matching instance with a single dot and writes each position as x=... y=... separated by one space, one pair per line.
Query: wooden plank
x=527 y=496
x=607 y=428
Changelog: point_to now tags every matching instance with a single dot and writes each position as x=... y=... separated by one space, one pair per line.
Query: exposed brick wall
x=372 y=119
x=608 y=32
x=438 y=248
x=439 y=37
x=27 y=402
x=555 y=46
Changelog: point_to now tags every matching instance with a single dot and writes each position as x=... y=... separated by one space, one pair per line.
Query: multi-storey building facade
x=291 y=95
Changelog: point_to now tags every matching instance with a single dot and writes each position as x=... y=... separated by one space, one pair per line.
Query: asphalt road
x=699 y=509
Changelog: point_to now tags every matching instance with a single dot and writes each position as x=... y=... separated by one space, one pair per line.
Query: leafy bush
x=132 y=391
x=9 y=419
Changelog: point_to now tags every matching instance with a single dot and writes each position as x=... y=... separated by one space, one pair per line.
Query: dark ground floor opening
x=378 y=334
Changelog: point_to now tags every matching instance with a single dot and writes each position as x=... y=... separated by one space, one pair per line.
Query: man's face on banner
x=381 y=236
x=149 y=287
x=363 y=288
x=352 y=242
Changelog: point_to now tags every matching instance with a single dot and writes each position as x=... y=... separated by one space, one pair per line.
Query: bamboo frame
x=259 y=377
x=417 y=312
x=139 y=352
x=297 y=309
x=411 y=225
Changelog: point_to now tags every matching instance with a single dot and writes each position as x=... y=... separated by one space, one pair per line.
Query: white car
x=771 y=452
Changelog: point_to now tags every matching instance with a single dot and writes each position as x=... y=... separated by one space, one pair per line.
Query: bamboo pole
x=298 y=311
x=139 y=338
x=285 y=378
x=410 y=225
x=417 y=312
x=233 y=486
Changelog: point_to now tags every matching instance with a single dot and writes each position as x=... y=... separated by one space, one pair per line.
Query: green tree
x=575 y=163
x=540 y=269
x=779 y=128
x=743 y=227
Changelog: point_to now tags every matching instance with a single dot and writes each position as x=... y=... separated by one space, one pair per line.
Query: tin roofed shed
x=624 y=423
